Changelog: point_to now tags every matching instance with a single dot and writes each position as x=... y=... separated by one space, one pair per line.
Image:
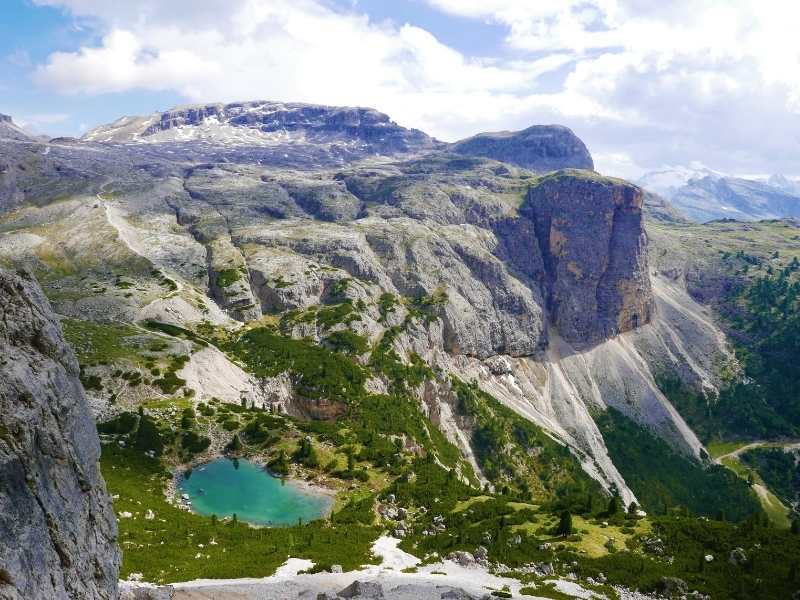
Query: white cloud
x=644 y=84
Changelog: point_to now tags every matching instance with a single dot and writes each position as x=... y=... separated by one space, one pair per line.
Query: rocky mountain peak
x=541 y=148
x=58 y=530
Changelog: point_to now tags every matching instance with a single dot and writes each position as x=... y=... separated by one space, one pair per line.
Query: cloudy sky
x=645 y=84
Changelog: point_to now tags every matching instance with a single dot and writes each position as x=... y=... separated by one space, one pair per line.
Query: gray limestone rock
x=363 y=589
x=57 y=528
x=592 y=238
x=540 y=148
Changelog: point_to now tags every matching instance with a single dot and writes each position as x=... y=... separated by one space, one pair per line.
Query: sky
x=647 y=85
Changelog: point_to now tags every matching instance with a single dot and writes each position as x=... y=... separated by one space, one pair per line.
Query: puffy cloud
x=644 y=84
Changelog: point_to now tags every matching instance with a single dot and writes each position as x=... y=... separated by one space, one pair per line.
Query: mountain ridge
x=705 y=195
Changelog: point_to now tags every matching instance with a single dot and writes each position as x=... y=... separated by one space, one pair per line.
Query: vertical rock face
x=57 y=528
x=593 y=245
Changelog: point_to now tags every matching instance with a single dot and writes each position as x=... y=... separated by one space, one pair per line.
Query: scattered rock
x=672 y=586
x=737 y=557
x=456 y=594
x=363 y=589
x=132 y=590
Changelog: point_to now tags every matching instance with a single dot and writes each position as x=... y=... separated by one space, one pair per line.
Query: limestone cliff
x=57 y=528
x=593 y=243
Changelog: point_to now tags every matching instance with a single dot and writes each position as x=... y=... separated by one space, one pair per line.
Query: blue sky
x=646 y=85
x=28 y=35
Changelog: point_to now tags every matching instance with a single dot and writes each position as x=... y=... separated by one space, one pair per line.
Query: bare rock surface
x=590 y=231
x=540 y=148
x=57 y=529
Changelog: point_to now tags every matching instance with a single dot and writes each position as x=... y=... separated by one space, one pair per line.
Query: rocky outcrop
x=10 y=130
x=541 y=148
x=593 y=244
x=229 y=280
x=57 y=528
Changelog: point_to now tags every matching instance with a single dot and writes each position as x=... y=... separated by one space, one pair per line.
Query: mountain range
x=491 y=318
x=705 y=195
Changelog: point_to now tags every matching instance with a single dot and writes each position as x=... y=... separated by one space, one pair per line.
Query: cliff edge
x=57 y=527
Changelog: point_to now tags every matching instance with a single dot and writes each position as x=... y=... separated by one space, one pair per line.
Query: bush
x=194 y=443
x=123 y=423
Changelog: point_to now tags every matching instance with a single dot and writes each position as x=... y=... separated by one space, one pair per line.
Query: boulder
x=462 y=558
x=363 y=589
x=673 y=586
x=737 y=557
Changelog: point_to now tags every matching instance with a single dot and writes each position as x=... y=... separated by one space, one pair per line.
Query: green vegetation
x=762 y=315
x=139 y=431
x=175 y=331
x=642 y=553
x=778 y=469
x=227 y=277
x=661 y=478
x=515 y=453
x=329 y=316
x=386 y=305
x=96 y=343
x=225 y=549
x=348 y=342
x=317 y=372
x=169 y=382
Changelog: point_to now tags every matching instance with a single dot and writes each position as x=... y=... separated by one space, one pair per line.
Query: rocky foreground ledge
x=399 y=576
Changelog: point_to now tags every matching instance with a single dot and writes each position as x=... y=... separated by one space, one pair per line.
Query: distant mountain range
x=706 y=195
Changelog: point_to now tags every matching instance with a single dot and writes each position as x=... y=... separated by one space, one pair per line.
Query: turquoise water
x=222 y=488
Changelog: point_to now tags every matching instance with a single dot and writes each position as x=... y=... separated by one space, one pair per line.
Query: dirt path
x=791 y=445
x=775 y=509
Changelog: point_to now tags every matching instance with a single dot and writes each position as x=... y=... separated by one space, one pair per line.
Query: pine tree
x=564 y=524
x=235 y=444
x=613 y=505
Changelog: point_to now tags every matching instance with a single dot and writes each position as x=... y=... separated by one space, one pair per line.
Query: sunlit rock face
x=592 y=240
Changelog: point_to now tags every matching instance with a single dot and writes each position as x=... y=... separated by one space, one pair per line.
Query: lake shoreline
x=177 y=487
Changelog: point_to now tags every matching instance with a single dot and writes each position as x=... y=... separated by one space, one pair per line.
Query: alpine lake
x=227 y=487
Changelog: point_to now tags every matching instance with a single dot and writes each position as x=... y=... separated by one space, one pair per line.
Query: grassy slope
x=178 y=545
